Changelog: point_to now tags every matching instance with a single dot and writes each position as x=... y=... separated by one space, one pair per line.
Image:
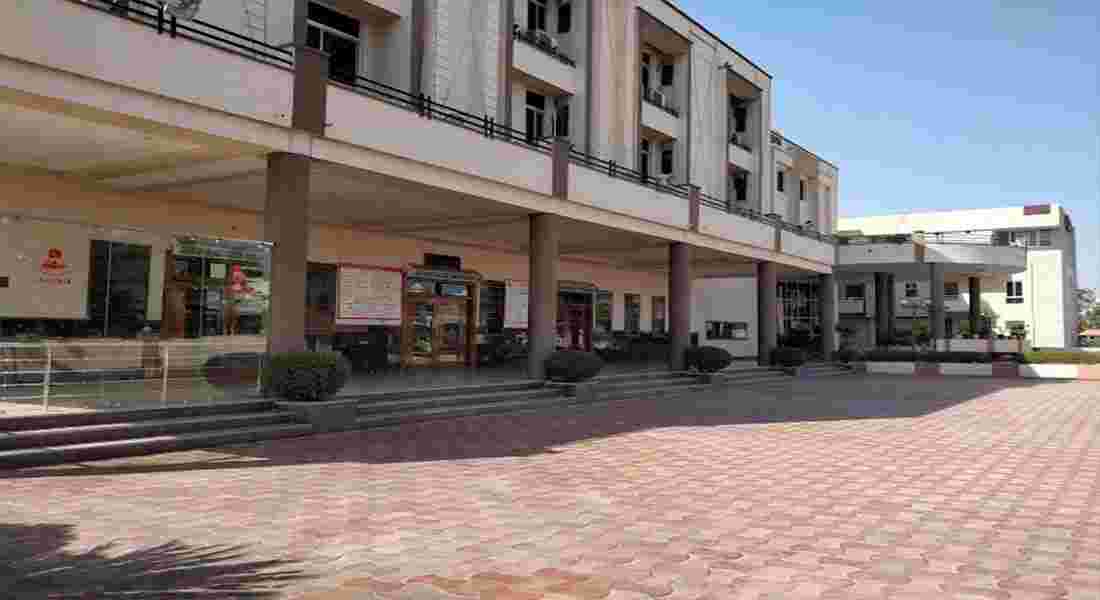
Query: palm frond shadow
x=34 y=564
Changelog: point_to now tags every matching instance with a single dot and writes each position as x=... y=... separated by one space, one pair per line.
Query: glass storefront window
x=632 y=313
x=216 y=287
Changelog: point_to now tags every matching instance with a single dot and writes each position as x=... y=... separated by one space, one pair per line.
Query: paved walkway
x=835 y=488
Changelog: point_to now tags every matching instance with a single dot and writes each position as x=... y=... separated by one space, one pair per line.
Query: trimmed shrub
x=306 y=376
x=1060 y=357
x=788 y=357
x=235 y=368
x=573 y=365
x=847 y=355
x=707 y=359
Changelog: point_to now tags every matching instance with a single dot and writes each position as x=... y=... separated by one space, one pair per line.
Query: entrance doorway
x=437 y=331
x=575 y=326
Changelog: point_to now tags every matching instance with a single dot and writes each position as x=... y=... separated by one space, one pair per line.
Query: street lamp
x=916 y=304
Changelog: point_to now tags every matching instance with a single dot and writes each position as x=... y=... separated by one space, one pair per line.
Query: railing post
x=611 y=168
x=47 y=375
x=164 y=376
x=173 y=23
x=693 y=207
x=428 y=112
x=160 y=19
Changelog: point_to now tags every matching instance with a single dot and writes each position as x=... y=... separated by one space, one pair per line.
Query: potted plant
x=306 y=383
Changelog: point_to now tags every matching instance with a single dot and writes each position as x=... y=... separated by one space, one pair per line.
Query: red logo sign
x=54 y=262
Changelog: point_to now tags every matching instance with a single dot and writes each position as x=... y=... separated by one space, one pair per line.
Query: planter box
x=968 y=369
x=1048 y=371
x=891 y=368
x=334 y=415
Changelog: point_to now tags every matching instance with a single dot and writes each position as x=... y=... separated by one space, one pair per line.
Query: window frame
x=534 y=115
x=632 y=319
x=658 y=319
x=861 y=294
x=1014 y=292
x=780 y=180
x=726 y=330
x=668 y=161
x=912 y=289
x=947 y=286
x=535 y=10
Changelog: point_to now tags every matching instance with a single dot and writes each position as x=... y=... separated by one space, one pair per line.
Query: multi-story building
x=416 y=177
x=1003 y=272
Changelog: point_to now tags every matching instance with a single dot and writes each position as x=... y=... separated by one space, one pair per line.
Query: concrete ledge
x=997 y=369
x=334 y=415
x=581 y=391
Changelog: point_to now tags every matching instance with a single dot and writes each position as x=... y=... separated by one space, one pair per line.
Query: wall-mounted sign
x=457 y=290
x=368 y=296
x=45 y=268
x=515 y=304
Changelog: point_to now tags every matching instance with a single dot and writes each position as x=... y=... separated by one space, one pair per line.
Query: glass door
x=451 y=331
x=422 y=333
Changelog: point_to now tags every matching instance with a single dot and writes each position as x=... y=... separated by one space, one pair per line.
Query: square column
x=935 y=311
x=679 y=303
x=767 y=311
x=975 y=306
x=542 y=313
x=892 y=305
x=829 y=314
x=882 y=308
x=286 y=225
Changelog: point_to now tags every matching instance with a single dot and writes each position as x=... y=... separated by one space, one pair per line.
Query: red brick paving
x=844 y=488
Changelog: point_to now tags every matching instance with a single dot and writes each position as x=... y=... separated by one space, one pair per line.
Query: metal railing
x=108 y=375
x=614 y=169
x=542 y=41
x=661 y=101
x=971 y=237
x=428 y=108
x=770 y=219
x=157 y=16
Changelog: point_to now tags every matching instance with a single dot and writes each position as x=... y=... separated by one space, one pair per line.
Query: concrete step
x=631 y=386
x=464 y=410
x=39 y=422
x=87 y=434
x=373 y=408
x=53 y=455
x=644 y=376
x=439 y=392
x=620 y=393
x=761 y=379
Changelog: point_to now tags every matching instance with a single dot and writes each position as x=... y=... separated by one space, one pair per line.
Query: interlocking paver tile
x=955 y=489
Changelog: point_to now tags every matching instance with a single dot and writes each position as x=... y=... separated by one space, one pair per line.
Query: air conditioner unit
x=658 y=98
x=544 y=38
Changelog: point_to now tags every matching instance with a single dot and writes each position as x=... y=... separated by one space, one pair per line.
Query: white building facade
x=421 y=177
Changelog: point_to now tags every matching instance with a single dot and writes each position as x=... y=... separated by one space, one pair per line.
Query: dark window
x=658 y=314
x=911 y=289
x=604 y=304
x=118 y=288
x=491 y=308
x=727 y=330
x=801 y=189
x=321 y=290
x=666 y=161
x=643 y=159
x=561 y=123
x=443 y=261
x=740 y=188
x=565 y=18
x=951 y=289
x=1014 y=292
x=740 y=119
x=645 y=74
x=338 y=35
x=853 y=292
x=536 y=15
x=667 y=74
x=632 y=313
x=779 y=183
x=536 y=116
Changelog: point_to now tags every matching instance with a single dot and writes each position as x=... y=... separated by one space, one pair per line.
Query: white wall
x=728 y=299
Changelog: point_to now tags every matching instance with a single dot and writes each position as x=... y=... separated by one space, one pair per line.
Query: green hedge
x=306 y=376
x=788 y=357
x=708 y=359
x=928 y=357
x=1061 y=357
x=573 y=365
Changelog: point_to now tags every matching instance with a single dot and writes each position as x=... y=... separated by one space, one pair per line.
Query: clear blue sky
x=935 y=104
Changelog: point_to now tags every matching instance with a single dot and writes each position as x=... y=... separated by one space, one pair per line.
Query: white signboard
x=515 y=304
x=43 y=271
x=368 y=297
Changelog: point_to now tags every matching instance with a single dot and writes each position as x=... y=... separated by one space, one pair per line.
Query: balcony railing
x=661 y=101
x=777 y=140
x=157 y=16
x=741 y=140
x=771 y=219
x=613 y=169
x=542 y=41
x=973 y=237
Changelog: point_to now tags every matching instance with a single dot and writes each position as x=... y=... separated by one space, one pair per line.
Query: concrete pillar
x=310 y=78
x=892 y=302
x=935 y=311
x=829 y=314
x=975 y=306
x=693 y=207
x=679 y=303
x=286 y=225
x=882 y=309
x=767 y=311
x=559 y=166
x=542 y=313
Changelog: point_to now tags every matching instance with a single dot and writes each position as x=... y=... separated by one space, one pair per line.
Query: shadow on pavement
x=34 y=564
x=529 y=434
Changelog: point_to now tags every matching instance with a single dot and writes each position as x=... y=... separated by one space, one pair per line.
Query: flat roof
x=806 y=150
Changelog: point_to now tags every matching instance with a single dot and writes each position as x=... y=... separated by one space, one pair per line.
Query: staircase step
x=465 y=410
x=371 y=407
x=643 y=375
x=439 y=392
x=129 y=416
x=137 y=429
x=618 y=393
x=53 y=455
